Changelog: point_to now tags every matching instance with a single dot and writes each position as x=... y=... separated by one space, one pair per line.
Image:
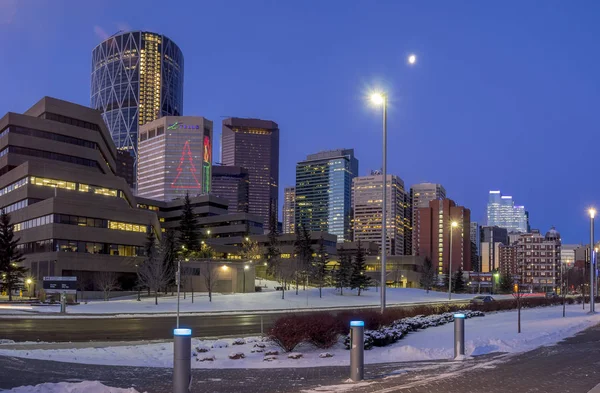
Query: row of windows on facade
x=53 y=245
x=81 y=221
x=40 y=181
x=25 y=151
x=48 y=135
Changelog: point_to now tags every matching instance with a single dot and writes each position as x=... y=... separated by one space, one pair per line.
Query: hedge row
x=322 y=329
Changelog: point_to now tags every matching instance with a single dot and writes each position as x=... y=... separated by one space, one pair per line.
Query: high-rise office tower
x=474 y=237
x=137 y=77
x=420 y=196
x=323 y=192
x=231 y=183
x=175 y=157
x=254 y=144
x=289 y=208
x=367 y=211
x=502 y=212
x=433 y=226
x=491 y=239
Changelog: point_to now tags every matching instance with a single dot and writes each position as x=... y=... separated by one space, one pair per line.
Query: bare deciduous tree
x=107 y=282
x=153 y=273
x=208 y=273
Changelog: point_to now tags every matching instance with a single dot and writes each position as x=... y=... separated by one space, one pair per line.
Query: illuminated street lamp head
x=208 y=232
x=412 y=59
x=454 y=224
x=29 y=281
x=592 y=212
x=246 y=267
x=377 y=98
x=247 y=238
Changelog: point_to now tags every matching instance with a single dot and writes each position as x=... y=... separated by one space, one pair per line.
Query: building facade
x=175 y=157
x=367 y=211
x=568 y=254
x=254 y=145
x=233 y=184
x=289 y=208
x=323 y=192
x=538 y=260
x=491 y=237
x=420 y=196
x=502 y=212
x=507 y=263
x=433 y=227
x=137 y=77
x=72 y=214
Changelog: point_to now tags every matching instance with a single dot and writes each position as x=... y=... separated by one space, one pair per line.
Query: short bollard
x=459 y=335
x=357 y=350
x=182 y=355
x=63 y=303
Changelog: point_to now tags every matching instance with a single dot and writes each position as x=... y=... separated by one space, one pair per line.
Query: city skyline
x=516 y=93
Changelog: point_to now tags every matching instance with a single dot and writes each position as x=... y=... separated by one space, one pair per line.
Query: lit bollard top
x=357 y=323
x=459 y=315
x=182 y=332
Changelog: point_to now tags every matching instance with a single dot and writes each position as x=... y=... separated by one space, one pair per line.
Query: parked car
x=552 y=295
x=482 y=299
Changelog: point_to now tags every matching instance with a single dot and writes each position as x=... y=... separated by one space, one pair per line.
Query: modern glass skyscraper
x=289 y=208
x=254 y=145
x=324 y=190
x=502 y=212
x=137 y=77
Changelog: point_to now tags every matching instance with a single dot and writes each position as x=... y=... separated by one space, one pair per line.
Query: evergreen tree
x=170 y=257
x=428 y=275
x=189 y=237
x=458 y=281
x=506 y=282
x=358 y=278
x=273 y=254
x=341 y=275
x=302 y=255
x=319 y=271
x=12 y=273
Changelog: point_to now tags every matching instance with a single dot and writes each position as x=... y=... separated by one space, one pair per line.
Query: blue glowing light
x=357 y=323
x=459 y=315
x=182 y=332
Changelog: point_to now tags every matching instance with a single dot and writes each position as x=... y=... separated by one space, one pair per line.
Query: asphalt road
x=130 y=329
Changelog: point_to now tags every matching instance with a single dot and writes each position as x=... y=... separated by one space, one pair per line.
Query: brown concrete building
x=538 y=260
x=75 y=216
x=508 y=259
x=432 y=234
x=254 y=145
x=232 y=184
x=125 y=167
x=72 y=214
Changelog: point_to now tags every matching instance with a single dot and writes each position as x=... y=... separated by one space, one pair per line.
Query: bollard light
x=357 y=350
x=182 y=355
x=459 y=335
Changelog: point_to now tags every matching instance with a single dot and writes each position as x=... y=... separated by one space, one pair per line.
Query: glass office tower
x=502 y=212
x=323 y=192
x=137 y=77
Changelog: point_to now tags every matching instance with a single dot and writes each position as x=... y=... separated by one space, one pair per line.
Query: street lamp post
x=453 y=225
x=245 y=268
x=29 y=287
x=381 y=99
x=592 y=212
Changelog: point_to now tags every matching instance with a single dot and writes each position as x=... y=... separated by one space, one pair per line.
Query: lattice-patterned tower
x=137 y=77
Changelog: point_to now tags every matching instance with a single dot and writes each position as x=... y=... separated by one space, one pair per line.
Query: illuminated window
x=124 y=226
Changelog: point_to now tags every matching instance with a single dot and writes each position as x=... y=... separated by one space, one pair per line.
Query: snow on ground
x=496 y=332
x=65 y=387
x=258 y=301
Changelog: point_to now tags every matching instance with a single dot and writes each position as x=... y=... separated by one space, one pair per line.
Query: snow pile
x=64 y=387
x=388 y=335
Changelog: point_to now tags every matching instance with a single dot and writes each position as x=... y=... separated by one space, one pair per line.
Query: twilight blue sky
x=505 y=95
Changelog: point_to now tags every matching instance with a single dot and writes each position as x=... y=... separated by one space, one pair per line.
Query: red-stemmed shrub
x=289 y=331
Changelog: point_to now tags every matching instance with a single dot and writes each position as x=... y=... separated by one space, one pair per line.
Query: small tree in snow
x=107 y=282
x=428 y=276
x=341 y=276
x=319 y=271
x=210 y=276
x=153 y=273
x=358 y=278
x=459 y=281
x=506 y=282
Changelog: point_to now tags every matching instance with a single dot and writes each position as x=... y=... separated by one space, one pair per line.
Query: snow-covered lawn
x=258 y=301
x=496 y=332
x=66 y=387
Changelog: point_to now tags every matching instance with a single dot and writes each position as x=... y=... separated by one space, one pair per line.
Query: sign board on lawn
x=60 y=285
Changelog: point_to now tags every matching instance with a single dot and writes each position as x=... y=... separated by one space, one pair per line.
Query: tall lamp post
x=246 y=267
x=29 y=287
x=592 y=212
x=453 y=225
x=381 y=99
